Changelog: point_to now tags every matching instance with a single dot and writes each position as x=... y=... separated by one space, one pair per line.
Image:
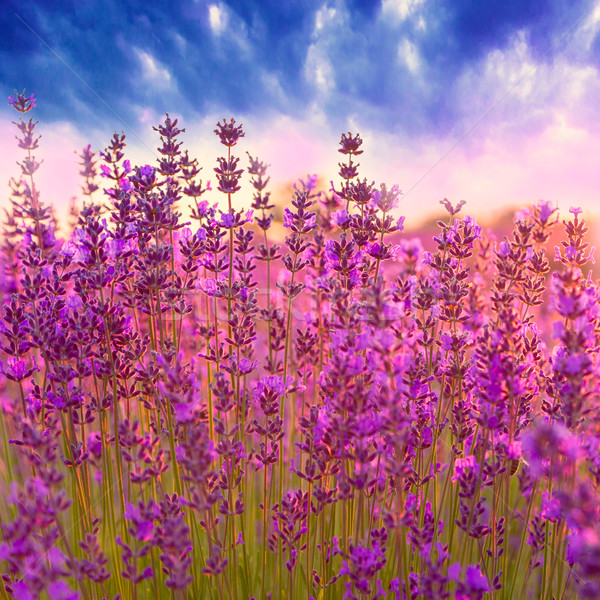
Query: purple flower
x=141 y=528
x=16 y=369
x=545 y=211
x=462 y=464
x=546 y=440
x=453 y=210
x=350 y=144
x=227 y=220
x=475 y=580
x=59 y=590
x=550 y=508
x=308 y=184
x=454 y=571
x=288 y=218
x=340 y=218
x=21 y=102
x=503 y=249
x=210 y=286
x=271 y=382
x=229 y=133
x=386 y=199
x=21 y=591
x=125 y=185
x=94 y=444
x=244 y=366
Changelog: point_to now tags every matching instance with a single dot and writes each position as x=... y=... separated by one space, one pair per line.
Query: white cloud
x=318 y=70
x=271 y=83
x=409 y=56
x=154 y=72
x=523 y=92
x=181 y=42
x=580 y=42
x=325 y=16
x=503 y=69
x=400 y=9
x=217 y=18
x=222 y=18
x=591 y=26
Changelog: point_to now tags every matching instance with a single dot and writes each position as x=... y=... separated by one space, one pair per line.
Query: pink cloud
x=558 y=164
x=501 y=170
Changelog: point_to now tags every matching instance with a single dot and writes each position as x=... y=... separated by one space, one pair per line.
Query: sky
x=494 y=102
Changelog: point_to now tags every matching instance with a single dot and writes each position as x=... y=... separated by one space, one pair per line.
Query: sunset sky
x=494 y=102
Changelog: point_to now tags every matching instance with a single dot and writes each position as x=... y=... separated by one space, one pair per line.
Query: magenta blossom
x=21 y=102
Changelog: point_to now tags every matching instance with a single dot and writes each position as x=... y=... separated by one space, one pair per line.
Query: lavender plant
x=204 y=410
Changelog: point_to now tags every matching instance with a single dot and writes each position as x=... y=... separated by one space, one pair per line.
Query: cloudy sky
x=491 y=101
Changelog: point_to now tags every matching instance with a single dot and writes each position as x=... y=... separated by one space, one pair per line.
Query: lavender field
x=202 y=408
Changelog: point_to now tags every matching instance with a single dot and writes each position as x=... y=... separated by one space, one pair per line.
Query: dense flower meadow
x=208 y=409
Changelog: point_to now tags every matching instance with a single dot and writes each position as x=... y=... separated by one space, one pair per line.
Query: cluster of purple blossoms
x=295 y=401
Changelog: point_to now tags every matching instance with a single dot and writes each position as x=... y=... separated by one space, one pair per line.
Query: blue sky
x=415 y=77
